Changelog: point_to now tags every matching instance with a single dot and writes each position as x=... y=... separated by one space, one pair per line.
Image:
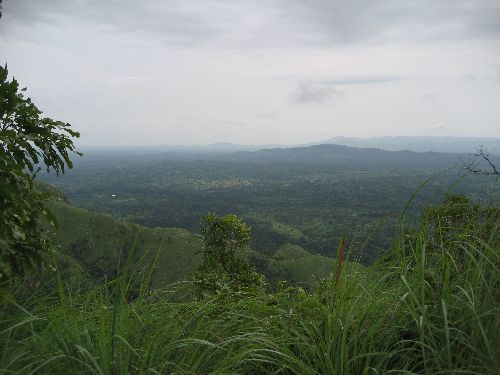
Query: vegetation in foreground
x=91 y=247
x=430 y=306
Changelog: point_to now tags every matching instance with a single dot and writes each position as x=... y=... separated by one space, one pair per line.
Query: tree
x=28 y=141
x=224 y=269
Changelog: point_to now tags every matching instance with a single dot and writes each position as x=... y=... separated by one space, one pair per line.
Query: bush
x=224 y=268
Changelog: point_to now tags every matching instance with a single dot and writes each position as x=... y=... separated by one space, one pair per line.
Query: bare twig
x=484 y=154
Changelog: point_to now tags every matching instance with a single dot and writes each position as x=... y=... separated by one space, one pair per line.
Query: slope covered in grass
x=96 y=246
x=101 y=243
x=429 y=307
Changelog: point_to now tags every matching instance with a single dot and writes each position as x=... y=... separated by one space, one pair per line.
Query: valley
x=307 y=196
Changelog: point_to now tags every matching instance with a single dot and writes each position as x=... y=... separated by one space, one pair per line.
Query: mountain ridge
x=443 y=144
x=446 y=144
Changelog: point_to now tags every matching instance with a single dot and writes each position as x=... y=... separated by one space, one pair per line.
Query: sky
x=131 y=72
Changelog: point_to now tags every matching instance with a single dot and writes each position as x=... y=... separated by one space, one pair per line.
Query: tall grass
x=429 y=307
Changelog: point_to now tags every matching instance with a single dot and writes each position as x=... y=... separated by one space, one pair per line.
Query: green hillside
x=101 y=244
x=429 y=307
x=95 y=246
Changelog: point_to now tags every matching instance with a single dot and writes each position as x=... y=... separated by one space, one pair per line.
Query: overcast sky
x=260 y=71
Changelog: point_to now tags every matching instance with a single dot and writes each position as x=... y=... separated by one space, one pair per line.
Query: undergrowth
x=430 y=306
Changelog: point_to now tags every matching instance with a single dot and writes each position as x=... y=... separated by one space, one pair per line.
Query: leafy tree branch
x=28 y=141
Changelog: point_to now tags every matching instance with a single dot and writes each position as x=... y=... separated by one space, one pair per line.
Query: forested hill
x=324 y=155
x=422 y=143
x=93 y=247
x=306 y=196
x=451 y=145
x=333 y=154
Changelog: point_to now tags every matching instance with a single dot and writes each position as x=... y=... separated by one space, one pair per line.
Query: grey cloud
x=282 y=63
x=470 y=77
x=324 y=90
x=274 y=22
x=362 y=80
x=308 y=92
x=428 y=96
x=349 y=21
x=268 y=115
x=169 y=20
x=236 y=123
x=440 y=126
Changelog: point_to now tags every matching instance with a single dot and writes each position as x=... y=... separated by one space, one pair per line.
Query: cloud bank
x=132 y=72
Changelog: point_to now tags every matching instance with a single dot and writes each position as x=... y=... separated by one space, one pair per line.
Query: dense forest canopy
x=309 y=196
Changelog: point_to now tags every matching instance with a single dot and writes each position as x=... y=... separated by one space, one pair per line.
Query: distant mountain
x=334 y=155
x=219 y=147
x=348 y=157
x=422 y=143
x=460 y=145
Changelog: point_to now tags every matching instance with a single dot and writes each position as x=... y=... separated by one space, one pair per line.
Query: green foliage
x=457 y=214
x=27 y=141
x=311 y=205
x=94 y=246
x=293 y=265
x=444 y=223
x=100 y=244
x=439 y=316
x=224 y=269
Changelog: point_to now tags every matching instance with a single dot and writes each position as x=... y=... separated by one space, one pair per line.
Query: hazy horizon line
x=229 y=143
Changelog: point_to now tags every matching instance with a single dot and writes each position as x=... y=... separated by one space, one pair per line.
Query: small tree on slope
x=224 y=270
